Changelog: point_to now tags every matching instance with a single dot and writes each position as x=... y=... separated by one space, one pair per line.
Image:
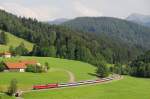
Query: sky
x=46 y=10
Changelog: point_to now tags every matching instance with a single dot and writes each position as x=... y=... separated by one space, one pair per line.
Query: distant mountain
x=140 y=19
x=123 y=30
x=58 y=21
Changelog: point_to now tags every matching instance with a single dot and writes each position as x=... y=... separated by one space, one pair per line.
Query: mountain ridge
x=58 y=21
x=113 y=27
x=140 y=19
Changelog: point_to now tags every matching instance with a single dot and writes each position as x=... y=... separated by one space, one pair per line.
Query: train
x=47 y=86
x=57 y=85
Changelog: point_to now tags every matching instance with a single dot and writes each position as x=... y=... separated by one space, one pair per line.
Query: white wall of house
x=22 y=70
x=7 y=56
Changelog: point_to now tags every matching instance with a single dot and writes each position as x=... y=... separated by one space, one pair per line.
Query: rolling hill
x=125 y=31
x=15 y=41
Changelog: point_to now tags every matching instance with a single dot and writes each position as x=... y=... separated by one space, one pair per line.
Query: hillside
x=15 y=41
x=62 y=42
x=127 y=32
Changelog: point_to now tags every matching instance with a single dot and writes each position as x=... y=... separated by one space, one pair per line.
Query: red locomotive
x=47 y=86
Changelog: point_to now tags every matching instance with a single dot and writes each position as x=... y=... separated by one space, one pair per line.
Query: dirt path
x=70 y=74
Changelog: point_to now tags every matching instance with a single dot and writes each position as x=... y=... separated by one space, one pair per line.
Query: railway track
x=77 y=84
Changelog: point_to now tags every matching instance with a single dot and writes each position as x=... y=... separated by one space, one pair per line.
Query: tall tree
x=12 y=89
x=102 y=69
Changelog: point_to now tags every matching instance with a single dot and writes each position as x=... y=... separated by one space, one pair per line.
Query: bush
x=47 y=66
x=102 y=70
x=2 y=66
x=35 y=69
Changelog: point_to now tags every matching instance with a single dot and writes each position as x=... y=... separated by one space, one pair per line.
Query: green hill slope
x=15 y=41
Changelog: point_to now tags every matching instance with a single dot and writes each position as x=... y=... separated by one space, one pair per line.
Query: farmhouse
x=5 y=55
x=19 y=66
x=15 y=66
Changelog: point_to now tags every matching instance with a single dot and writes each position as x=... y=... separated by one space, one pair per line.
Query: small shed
x=6 y=54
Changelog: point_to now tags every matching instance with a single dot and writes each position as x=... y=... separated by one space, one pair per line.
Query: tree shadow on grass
x=94 y=75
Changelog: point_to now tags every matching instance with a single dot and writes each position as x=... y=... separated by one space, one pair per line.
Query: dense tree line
x=141 y=66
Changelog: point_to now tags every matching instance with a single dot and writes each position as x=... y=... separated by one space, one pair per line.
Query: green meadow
x=3 y=96
x=56 y=74
x=15 y=41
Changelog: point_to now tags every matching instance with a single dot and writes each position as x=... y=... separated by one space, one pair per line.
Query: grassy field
x=15 y=41
x=127 y=88
x=27 y=80
x=80 y=70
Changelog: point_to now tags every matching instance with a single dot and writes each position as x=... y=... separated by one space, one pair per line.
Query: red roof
x=15 y=65
x=28 y=62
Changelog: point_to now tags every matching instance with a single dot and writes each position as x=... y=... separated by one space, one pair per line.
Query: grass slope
x=2 y=96
x=15 y=41
x=81 y=71
x=128 y=88
x=27 y=80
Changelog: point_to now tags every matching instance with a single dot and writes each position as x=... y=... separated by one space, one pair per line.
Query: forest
x=128 y=32
x=60 y=41
x=141 y=66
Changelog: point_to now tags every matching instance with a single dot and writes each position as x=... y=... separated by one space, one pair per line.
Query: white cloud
x=51 y=9
x=83 y=10
x=18 y=10
x=40 y=12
